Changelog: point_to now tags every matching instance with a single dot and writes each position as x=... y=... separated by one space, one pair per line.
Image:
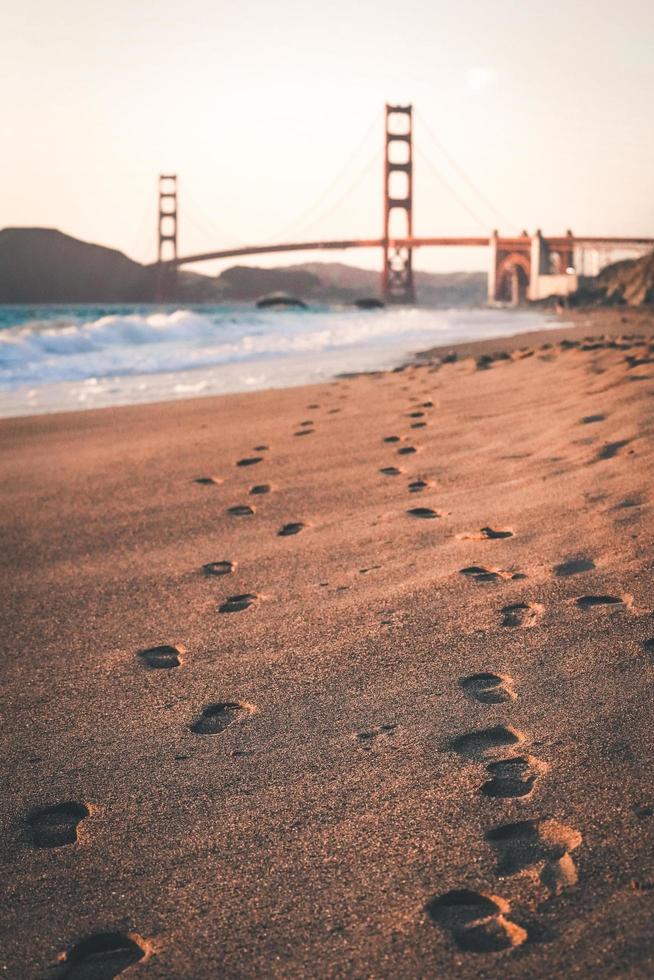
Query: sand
x=411 y=736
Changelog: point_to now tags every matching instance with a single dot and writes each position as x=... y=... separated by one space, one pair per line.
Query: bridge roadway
x=521 y=241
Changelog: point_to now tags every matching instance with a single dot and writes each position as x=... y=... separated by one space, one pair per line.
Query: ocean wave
x=70 y=348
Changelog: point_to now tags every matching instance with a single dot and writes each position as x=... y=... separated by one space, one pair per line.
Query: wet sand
x=351 y=680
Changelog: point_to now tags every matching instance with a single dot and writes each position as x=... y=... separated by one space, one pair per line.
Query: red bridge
x=523 y=267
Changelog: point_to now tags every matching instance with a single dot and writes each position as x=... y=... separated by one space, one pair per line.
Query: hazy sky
x=270 y=111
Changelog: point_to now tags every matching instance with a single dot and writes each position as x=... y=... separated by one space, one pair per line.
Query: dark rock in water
x=280 y=299
x=369 y=303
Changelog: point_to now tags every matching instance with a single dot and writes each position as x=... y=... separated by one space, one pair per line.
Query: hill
x=630 y=282
x=337 y=282
x=43 y=265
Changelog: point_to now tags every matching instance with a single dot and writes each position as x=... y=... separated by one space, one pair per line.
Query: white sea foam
x=49 y=358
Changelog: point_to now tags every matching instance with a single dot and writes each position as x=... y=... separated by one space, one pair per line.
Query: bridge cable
x=138 y=238
x=302 y=221
x=334 y=205
x=461 y=172
x=204 y=224
x=473 y=214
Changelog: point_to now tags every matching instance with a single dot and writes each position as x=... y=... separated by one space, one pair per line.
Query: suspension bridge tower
x=397 y=272
x=167 y=237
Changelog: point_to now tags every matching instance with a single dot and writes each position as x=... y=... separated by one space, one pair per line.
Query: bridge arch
x=512 y=278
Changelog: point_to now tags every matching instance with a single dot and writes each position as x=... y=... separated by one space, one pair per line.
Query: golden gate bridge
x=522 y=267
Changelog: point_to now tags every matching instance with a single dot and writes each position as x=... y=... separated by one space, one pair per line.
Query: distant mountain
x=336 y=282
x=42 y=265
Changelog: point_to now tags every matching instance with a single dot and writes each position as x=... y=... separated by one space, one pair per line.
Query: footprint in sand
x=218 y=568
x=480 y=574
x=487 y=534
x=589 y=419
x=418 y=425
x=416 y=486
x=208 y=480
x=261 y=449
x=509 y=777
x=391 y=438
x=390 y=471
x=478 y=923
x=161 y=658
x=487 y=742
x=635 y=361
x=215 y=718
x=240 y=510
x=522 y=615
x=102 y=956
x=288 y=529
x=56 y=826
x=626 y=504
x=365 y=740
x=237 y=603
x=424 y=512
x=488 y=688
x=587 y=602
x=304 y=432
x=649 y=645
x=260 y=488
x=574 y=566
x=541 y=847
x=415 y=415
x=407 y=451
x=250 y=461
x=514 y=777
x=610 y=450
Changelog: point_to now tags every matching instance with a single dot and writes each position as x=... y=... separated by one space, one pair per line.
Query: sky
x=527 y=115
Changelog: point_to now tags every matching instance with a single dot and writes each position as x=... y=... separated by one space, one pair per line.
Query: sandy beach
x=349 y=680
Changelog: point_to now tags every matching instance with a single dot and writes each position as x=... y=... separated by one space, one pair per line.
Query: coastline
x=82 y=361
x=201 y=382
x=429 y=670
x=578 y=323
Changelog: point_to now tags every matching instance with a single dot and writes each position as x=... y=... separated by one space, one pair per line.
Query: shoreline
x=612 y=322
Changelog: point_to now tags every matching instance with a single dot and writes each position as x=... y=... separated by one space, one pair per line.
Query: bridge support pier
x=509 y=273
x=492 y=267
x=552 y=271
x=397 y=271
x=166 y=273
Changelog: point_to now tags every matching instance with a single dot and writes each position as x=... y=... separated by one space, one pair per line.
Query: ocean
x=64 y=358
